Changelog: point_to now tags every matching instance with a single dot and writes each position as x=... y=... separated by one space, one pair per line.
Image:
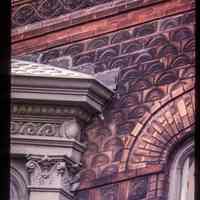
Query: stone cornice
x=23 y=145
x=47 y=141
x=87 y=96
x=82 y=91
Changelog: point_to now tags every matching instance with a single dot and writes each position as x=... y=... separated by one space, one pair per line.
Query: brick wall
x=26 y=12
x=150 y=65
x=29 y=11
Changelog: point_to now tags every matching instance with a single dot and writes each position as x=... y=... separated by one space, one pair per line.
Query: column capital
x=53 y=173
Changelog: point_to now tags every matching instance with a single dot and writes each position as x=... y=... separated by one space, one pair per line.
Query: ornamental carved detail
x=45 y=171
x=34 y=128
x=68 y=129
x=48 y=171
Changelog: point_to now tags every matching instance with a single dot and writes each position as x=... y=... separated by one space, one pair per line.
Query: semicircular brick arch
x=169 y=122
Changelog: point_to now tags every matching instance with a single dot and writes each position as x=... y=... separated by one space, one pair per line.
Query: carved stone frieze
x=67 y=129
x=34 y=128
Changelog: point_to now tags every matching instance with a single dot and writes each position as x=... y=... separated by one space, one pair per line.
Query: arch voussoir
x=166 y=126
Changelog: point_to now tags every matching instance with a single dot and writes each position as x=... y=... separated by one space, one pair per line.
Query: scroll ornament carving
x=68 y=129
x=34 y=128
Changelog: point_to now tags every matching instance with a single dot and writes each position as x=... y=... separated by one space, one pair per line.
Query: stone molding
x=58 y=87
x=48 y=111
x=21 y=145
x=63 y=96
x=18 y=185
x=176 y=166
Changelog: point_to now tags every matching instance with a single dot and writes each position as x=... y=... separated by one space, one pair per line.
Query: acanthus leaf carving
x=53 y=171
x=42 y=170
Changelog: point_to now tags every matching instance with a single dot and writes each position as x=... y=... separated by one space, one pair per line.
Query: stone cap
x=39 y=83
x=27 y=68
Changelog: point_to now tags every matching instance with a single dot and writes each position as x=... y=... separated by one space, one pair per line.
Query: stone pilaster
x=50 y=109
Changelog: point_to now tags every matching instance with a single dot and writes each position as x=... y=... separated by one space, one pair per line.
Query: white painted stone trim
x=175 y=170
